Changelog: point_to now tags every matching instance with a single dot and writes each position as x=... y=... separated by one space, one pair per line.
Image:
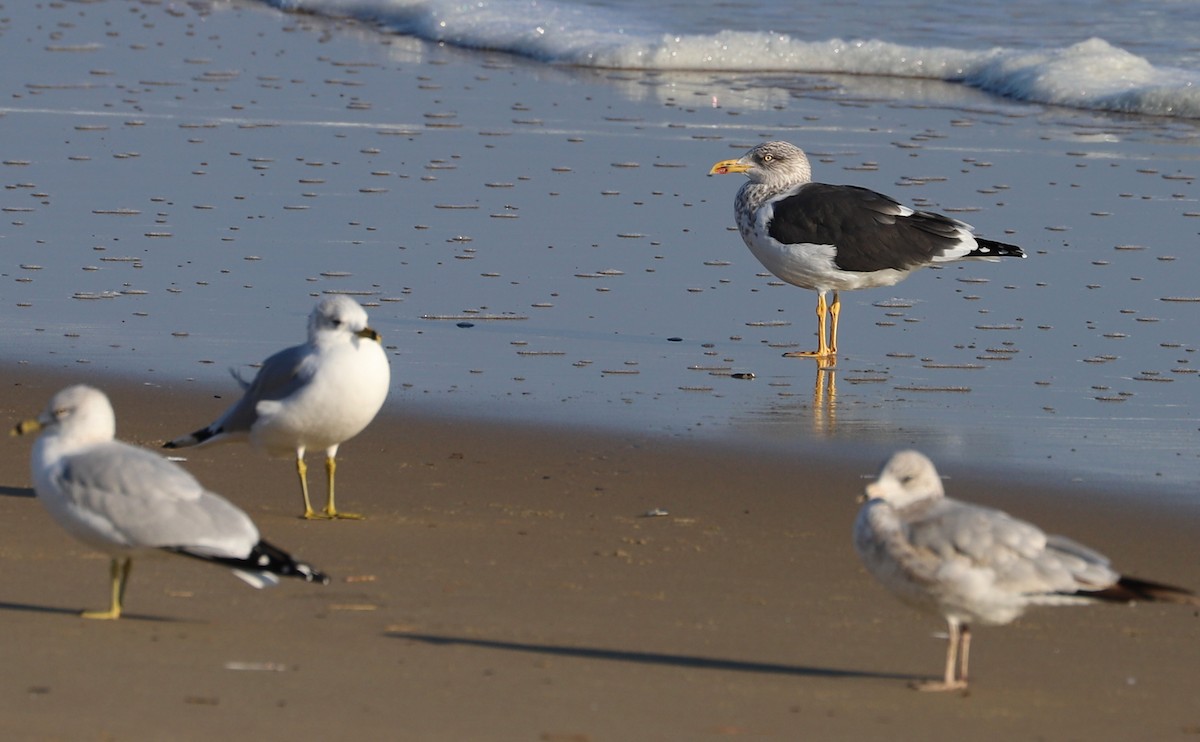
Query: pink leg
x=959 y=635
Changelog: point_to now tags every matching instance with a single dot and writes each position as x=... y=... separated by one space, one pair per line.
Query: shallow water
x=542 y=244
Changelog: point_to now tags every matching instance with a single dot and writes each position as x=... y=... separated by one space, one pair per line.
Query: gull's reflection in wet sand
x=824 y=404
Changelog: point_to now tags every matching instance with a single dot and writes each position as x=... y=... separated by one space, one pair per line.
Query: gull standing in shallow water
x=838 y=237
x=972 y=564
x=316 y=395
x=123 y=500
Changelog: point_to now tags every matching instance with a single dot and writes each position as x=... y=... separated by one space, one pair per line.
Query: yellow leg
x=824 y=352
x=118 y=571
x=330 y=510
x=835 y=311
x=302 y=470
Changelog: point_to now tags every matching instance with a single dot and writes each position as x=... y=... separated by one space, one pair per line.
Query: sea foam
x=1091 y=74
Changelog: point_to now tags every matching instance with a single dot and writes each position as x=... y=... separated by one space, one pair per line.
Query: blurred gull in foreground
x=972 y=564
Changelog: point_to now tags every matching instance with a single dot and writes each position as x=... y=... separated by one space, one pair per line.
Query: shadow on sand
x=651 y=658
x=58 y=611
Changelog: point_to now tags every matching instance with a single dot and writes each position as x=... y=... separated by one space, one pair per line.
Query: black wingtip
x=1131 y=589
x=264 y=557
x=994 y=249
x=192 y=439
x=272 y=559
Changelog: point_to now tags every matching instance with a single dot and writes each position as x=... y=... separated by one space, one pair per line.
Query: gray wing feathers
x=1089 y=569
x=982 y=534
x=279 y=377
x=1021 y=557
x=141 y=500
x=240 y=379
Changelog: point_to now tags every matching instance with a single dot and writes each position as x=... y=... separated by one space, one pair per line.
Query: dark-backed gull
x=838 y=237
x=975 y=565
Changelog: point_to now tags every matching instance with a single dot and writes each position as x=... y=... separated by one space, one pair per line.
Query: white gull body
x=123 y=500
x=312 y=396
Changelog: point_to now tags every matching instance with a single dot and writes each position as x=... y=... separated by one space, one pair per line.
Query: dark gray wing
x=871 y=231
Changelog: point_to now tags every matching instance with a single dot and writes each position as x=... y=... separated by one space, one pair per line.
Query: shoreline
x=440 y=183
x=864 y=457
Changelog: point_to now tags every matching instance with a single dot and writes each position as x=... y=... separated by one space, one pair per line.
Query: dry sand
x=505 y=587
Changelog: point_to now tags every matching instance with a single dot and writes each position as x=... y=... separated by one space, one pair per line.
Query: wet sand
x=505 y=586
x=541 y=244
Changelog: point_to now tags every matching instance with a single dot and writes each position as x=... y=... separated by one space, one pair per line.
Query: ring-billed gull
x=316 y=395
x=838 y=237
x=976 y=565
x=124 y=500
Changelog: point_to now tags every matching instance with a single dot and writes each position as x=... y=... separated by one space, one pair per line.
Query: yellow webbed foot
x=335 y=515
x=826 y=359
x=109 y=615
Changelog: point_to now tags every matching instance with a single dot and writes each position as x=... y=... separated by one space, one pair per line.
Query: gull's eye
x=768 y=158
x=61 y=412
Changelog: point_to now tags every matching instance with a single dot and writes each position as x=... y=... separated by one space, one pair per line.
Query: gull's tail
x=212 y=430
x=194 y=439
x=263 y=566
x=1131 y=589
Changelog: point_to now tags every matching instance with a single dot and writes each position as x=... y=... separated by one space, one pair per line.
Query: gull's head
x=339 y=318
x=774 y=164
x=80 y=413
x=906 y=478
